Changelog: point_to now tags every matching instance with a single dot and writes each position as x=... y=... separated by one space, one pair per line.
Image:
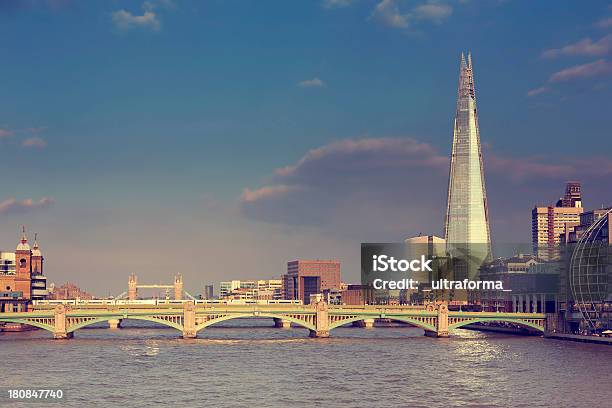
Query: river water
x=249 y=363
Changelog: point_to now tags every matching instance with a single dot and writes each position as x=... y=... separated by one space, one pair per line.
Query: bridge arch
x=29 y=323
x=224 y=318
x=153 y=319
x=409 y=320
x=526 y=324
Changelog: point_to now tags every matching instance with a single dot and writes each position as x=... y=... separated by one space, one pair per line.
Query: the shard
x=466 y=228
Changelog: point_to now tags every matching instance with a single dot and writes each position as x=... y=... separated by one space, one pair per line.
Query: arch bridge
x=319 y=318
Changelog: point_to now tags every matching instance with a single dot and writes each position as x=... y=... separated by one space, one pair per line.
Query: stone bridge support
x=282 y=323
x=114 y=323
x=189 y=320
x=59 y=330
x=321 y=320
x=367 y=323
x=442 y=321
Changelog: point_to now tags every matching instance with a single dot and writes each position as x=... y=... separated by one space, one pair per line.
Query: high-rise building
x=466 y=228
x=208 y=293
x=434 y=248
x=572 y=197
x=310 y=277
x=549 y=224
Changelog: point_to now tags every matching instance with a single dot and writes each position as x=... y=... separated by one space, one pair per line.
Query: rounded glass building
x=591 y=273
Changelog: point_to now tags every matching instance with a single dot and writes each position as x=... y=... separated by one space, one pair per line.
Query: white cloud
x=585 y=47
x=266 y=192
x=604 y=23
x=592 y=69
x=537 y=91
x=11 y=205
x=124 y=20
x=433 y=12
x=312 y=83
x=5 y=133
x=387 y=12
x=34 y=142
x=336 y=3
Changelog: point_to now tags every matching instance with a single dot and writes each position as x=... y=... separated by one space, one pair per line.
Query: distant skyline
x=220 y=139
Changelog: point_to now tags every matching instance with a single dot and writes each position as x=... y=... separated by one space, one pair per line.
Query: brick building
x=69 y=291
x=309 y=277
x=21 y=275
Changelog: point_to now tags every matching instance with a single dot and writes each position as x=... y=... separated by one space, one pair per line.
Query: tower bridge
x=319 y=318
x=176 y=287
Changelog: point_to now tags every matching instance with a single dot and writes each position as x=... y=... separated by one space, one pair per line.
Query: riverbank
x=579 y=338
x=499 y=329
x=524 y=332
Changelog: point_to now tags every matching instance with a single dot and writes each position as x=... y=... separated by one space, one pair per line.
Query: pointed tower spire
x=35 y=248
x=23 y=242
x=467 y=219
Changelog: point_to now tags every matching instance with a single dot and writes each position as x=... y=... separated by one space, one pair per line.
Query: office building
x=357 y=295
x=310 y=277
x=531 y=284
x=208 y=292
x=467 y=220
x=263 y=289
x=550 y=223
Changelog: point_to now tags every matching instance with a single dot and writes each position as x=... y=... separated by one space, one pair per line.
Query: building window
x=22 y=262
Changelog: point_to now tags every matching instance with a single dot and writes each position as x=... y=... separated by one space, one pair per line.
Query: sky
x=221 y=139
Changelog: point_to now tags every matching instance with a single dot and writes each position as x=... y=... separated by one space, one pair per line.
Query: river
x=249 y=363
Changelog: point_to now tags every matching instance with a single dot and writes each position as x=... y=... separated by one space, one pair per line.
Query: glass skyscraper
x=467 y=221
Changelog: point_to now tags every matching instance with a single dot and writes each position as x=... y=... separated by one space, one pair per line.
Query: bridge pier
x=442 y=321
x=282 y=323
x=62 y=336
x=319 y=334
x=114 y=323
x=321 y=321
x=366 y=323
x=59 y=329
x=189 y=320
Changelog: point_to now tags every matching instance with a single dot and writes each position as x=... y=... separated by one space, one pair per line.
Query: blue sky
x=148 y=135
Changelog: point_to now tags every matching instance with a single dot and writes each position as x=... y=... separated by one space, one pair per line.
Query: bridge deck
x=319 y=318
